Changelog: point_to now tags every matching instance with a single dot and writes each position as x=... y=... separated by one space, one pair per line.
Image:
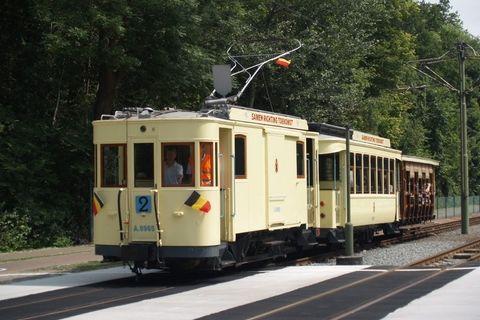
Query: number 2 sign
x=143 y=204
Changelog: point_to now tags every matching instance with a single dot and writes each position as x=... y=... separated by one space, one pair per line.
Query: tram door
x=143 y=220
x=226 y=190
x=312 y=178
x=277 y=176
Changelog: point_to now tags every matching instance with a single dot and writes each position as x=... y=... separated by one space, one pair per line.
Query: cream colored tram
x=148 y=163
x=275 y=184
x=374 y=183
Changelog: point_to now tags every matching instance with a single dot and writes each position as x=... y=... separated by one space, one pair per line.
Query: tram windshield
x=143 y=165
x=178 y=164
x=114 y=165
x=329 y=170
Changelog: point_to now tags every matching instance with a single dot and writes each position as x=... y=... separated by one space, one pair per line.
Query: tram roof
x=226 y=112
x=415 y=159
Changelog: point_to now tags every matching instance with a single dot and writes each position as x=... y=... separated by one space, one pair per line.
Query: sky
x=469 y=11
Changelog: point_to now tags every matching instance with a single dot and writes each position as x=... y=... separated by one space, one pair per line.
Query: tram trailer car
x=209 y=189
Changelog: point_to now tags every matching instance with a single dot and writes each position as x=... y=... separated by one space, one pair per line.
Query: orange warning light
x=283 y=62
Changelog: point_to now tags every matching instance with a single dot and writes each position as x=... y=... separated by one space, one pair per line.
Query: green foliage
x=63 y=241
x=64 y=63
x=14 y=231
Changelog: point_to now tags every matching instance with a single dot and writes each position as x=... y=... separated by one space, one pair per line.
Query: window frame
x=391 y=181
x=212 y=152
x=386 y=175
x=244 y=138
x=379 y=175
x=192 y=148
x=102 y=166
x=217 y=171
x=351 y=173
x=358 y=177
x=95 y=163
x=135 y=165
x=366 y=173
x=373 y=177
x=299 y=142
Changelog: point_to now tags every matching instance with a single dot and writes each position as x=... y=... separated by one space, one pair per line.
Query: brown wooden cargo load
x=417 y=190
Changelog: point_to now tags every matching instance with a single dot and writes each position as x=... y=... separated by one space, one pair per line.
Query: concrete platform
x=225 y=295
x=458 y=299
x=58 y=282
x=306 y=292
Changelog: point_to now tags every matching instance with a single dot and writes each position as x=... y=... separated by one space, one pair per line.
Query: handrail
x=309 y=196
x=155 y=198
x=119 y=211
x=223 y=206
x=234 y=200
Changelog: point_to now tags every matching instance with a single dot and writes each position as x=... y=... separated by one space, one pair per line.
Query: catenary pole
x=348 y=224
x=461 y=51
x=463 y=135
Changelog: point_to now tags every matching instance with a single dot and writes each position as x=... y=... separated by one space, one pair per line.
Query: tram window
x=385 y=176
x=351 y=177
x=216 y=164
x=397 y=168
x=373 y=174
x=392 y=179
x=300 y=160
x=366 y=170
x=206 y=164
x=240 y=156
x=309 y=162
x=379 y=175
x=114 y=165
x=329 y=167
x=95 y=157
x=178 y=164
x=415 y=184
x=143 y=165
x=358 y=173
x=409 y=181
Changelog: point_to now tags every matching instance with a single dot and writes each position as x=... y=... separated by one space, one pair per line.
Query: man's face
x=171 y=155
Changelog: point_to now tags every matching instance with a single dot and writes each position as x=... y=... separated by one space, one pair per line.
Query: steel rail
x=447 y=253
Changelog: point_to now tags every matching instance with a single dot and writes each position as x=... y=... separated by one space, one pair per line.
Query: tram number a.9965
x=143 y=204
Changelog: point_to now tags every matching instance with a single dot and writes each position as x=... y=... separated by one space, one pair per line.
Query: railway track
x=452 y=257
x=413 y=233
x=424 y=230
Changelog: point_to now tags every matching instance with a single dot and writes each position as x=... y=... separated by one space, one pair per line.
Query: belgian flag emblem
x=197 y=202
x=97 y=203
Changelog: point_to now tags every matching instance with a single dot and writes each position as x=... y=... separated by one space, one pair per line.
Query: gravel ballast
x=409 y=252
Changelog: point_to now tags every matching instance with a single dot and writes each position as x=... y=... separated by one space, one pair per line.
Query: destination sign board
x=273 y=119
x=370 y=138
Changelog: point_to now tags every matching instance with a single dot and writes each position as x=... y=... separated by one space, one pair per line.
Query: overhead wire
x=442 y=79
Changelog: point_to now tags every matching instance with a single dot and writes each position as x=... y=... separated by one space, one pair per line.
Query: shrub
x=63 y=241
x=15 y=230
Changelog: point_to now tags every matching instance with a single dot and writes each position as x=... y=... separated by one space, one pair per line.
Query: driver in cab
x=173 y=171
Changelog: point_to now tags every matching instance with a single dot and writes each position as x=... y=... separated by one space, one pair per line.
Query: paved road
x=28 y=263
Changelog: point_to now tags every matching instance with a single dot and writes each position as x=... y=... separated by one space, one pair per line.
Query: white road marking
x=3 y=269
